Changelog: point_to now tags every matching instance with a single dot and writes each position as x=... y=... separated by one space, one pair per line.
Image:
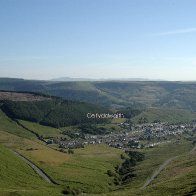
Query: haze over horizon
x=74 y=79
x=46 y=39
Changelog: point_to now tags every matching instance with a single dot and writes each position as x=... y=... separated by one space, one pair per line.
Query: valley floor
x=85 y=171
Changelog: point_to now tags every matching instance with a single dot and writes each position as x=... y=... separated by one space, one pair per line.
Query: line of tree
x=125 y=172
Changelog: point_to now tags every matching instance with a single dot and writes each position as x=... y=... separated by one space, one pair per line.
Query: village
x=138 y=136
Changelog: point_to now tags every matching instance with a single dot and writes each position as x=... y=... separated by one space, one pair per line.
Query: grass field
x=44 y=131
x=85 y=169
x=178 y=178
x=166 y=115
x=17 y=178
x=154 y=158
x=6 y=124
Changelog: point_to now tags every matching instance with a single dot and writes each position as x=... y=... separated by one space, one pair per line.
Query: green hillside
x=178 y=178
x=7 y=125
x=113 y=93
x=165 y=115
x=44 y=131
x=17 y=178
x=86 y=169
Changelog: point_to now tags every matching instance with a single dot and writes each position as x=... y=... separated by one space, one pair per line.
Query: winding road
x=38 y=170
x=157 y=172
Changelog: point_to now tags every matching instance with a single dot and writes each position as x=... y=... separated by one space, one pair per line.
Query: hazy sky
x=44 y=39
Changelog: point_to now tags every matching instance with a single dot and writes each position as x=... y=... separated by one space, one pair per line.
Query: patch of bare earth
x=14 y=96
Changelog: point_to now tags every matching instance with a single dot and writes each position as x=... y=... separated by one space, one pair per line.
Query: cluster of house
x=129 y=139
x=118 y=140
x=158 y=130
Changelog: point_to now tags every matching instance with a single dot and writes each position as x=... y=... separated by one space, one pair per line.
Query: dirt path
x=157 y=172
x=193 y=150
x=39 y=171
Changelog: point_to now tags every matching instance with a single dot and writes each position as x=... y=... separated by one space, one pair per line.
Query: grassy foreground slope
x=178 y=178
x=154 y=158
x=17 y=178
x=84 y=170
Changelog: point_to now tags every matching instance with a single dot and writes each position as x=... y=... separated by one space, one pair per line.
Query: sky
x=45 y=39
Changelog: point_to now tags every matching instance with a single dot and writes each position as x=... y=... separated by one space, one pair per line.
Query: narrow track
x=38 y=170
x=162 y=166
x=157 y=172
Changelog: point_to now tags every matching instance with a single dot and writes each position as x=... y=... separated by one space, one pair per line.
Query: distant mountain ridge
x=65 y=79
x=116 y=94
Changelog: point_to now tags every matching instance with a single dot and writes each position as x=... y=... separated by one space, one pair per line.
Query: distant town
x=138 y=136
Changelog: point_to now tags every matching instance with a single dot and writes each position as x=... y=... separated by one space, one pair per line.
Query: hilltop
x=116 y=94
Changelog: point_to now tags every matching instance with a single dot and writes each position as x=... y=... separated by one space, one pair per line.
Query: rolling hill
x=181 y=95
x=24 y=115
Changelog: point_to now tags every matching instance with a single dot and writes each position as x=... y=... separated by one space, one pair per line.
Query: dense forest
x=55 y=112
